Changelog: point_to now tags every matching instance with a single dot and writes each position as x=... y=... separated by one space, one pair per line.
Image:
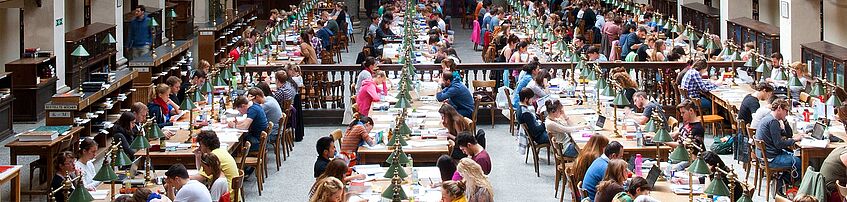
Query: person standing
x=140 y=36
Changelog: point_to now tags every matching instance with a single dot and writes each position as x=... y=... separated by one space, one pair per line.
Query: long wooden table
x=429 y=152
x=45 y=150
x=428 y=190
x=183 y=156
x=157 y=188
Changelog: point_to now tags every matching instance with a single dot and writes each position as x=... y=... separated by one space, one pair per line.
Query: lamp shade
x=227 y=73
x=621 y=100
x=172 y=13
x=592 y=75
x=601 y=84
x=123 y=159
x=711 y=44
x=206 y=87
x=752 y=63
x=702 y=41
x=220 y=81
x=729 y=51
x=675 y=28
x=651 y=126
x=744 y=198
x=153 y=22
x=662 y=135
x=392 y=190
x=833 y=101
x=737 y=56
x=140 y=143
x=396 y=140
x=109 y=39
x=187 y=104
x=718 y=188
x=608 y=91
x=234 y=69
x=401 y=157
x=80 y=195
x=679 y=154
x=154 y=132
x=699 y=167
x=817 y=90
x=403 y=129
x=106 y=174
x=80 y=52
x=241 y=61
x=402 y=103
x=395 y=169
x=794 y=81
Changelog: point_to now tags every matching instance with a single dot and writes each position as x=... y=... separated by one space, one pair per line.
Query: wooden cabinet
x=184 y=22
x=33 y=86
x=826 y=60
x=6 y=100
x=665 y=7
x=765 y=36
x=101 y=55
x=701 y=17
x=216 y=40
x=93 y=110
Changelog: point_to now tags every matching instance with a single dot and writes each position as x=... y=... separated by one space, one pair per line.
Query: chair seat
x=712 y=118
x=250 y=160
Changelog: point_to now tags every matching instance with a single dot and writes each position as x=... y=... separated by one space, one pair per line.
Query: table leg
x=50 y=156
x=804 y=161
x=15 y=194
x=13 y=156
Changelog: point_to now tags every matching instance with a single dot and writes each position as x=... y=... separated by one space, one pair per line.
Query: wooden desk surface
x=152 y=186
x=17 y=144
x=428 y=176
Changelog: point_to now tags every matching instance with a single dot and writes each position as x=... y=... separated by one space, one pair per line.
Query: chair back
x=336 y=137
x=282 y=121
x=529 y=140
x=450 y=146
x=804 y=97
x=572 y=182
x=236 y=186
x=699 y=105
x=557 y=151
x=760 y=146
x=582 y=192
x=471 y=125
x=270 y=127
x=672 y=123
x=511 y=106
x=263 y=144
x=245 y=148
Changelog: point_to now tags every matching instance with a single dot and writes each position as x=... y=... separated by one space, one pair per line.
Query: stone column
x=800 y=26
x=731 y=9
x=201 y=11
x=59 y=41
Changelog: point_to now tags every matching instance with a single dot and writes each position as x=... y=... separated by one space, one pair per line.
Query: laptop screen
x=653 y=175
x=601 y=121
x=818 y=130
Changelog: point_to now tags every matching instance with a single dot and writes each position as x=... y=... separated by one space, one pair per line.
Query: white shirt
x=219 y=187
x=193 y=191
x=763 y=111
x=88 y=172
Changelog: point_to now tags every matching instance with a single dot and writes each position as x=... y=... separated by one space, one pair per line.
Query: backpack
x=721 y=147
x=622 y=197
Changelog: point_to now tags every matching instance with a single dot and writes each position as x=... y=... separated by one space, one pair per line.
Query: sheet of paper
x=99 y=194
x=808 y=142
x=228 y=137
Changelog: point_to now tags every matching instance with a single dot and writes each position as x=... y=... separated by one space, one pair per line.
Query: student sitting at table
x=642 y=101
x=690 y=128
x=86 y=153
x=774 y=131
x=180 y=188
x=219 y=185
x=592 y=150
x=369 y=66
x=123 y=132
x=558 y=123
x=324 y=33
x=209 y=143
x=539 y=85
x=594 y=55
x=598 y=168
x=520 y=55
x=162 y=107
x=453 y=191
x=696 y=85
x=523 y=79
x=337 y=169
x=628 y=85
x=527 y=117
x=639 y=189
x=272 y=109
x=307 y=51
x=613 y=180
x=367 y=93
x=255 y=123
x=357 y=133
x=197 y=79
x=326 y=150
x=449 y=65
x=144 y=194
x=454 y=122
x=478 y=188
x=382 y=33
x=329 y=189
x=64 y=164
x=175 y=83
x=466 y=142
x=456 y=94
x=140 y=111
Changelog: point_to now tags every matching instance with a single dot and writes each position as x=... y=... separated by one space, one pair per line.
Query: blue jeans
x=706 y=105
x=786 y=160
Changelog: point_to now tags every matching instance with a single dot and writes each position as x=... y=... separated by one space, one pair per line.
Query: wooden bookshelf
x=765 y=36
x=6 y=109
x=665 y=7
x=701 y=17
x=216 y=40
x=35 y=83
x=169 y=62
x=828 y=61
x=89 y=107
x=102 y=55
x=184 y=28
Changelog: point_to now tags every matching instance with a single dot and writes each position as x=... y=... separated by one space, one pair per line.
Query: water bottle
x=639 y=138
x=637 y=165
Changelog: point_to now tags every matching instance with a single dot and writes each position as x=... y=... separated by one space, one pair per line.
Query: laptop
x=601 y=121
x=818 y=131
x=653 y=175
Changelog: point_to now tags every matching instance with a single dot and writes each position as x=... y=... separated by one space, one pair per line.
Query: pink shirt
x=367 y=95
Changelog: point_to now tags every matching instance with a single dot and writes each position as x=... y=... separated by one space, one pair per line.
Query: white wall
x=769 y=11
x=10 y=42
x=74 y=18
x=103 y=11
x=834 y=24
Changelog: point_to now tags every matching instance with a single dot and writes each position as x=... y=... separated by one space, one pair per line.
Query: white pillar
x=119 y=32
x=59 y=41
x=201 y=11
x=799 y=27
x=731 y=9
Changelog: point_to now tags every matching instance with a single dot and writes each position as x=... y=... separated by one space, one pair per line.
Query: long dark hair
x=368 y=62
x=125 y=121
x=361 y=120
x=214 y=164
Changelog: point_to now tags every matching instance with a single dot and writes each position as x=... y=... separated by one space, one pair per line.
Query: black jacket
x=156 y=113
x=125 y=137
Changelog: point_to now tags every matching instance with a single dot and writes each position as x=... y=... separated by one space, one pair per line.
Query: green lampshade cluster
x=609 y=91
x=140 y=143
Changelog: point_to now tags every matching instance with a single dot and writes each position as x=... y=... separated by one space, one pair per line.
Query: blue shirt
x=522 y=82
x=459 y=97
x=139 y=34
x=324 y=34
x=594 y=175
x=631 y=39
x=260 y=121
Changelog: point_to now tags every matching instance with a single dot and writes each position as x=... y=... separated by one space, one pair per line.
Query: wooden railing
x=329 y=87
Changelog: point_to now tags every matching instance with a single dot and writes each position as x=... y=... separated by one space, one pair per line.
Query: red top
x=234 y=54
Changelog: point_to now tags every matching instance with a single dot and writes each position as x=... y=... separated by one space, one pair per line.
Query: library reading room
x=423 y=100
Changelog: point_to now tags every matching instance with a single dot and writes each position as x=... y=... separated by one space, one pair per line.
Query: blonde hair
x=616 y=173
x=801 y=68
x=474 y=177
x=326 y=188
x=162 y=89
x=454 y=188
x=379 y=73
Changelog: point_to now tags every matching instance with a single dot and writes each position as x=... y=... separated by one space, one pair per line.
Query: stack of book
x=92 y=86
x=36 y=136
x=102 y=77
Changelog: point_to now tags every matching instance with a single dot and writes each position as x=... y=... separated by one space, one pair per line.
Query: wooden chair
x=336 y=47
x=337 y=135
x=536 y=149
x=333 y=93
x=710 y=120
x=753 y=163
x=258 y=161
x=582 y=192
x=804 y=97
x=490 y=86
x=278 y=142
x=512 y=117
x=561 y=161
x=242 y=159
x=769 y=172
x=672 y=122
x=237 y=185
x=471 y=125
x=573 y=183
x=288 y=134
x=265 y=156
